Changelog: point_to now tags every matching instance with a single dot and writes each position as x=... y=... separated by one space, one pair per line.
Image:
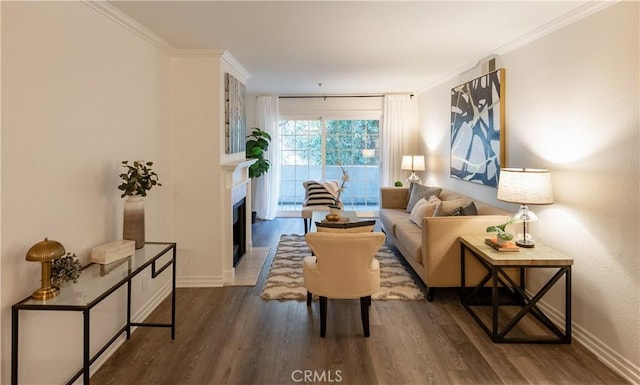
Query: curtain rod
x=332 y=96
x=328 y=96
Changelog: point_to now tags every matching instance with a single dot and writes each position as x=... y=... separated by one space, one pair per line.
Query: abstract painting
x=477 y=129
x=235 y=117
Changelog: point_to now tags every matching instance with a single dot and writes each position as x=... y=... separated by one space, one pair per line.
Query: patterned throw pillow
x=470 y=209
x=418 y=192
x=316 y=195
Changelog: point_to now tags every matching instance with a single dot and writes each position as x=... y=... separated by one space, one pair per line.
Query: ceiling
x=350 y=48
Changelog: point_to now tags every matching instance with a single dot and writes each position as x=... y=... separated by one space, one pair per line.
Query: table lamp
x=526 y=186
x=413 y=163
x=45 y=252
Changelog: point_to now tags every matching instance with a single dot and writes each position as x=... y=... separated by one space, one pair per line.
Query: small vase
x=133 y=220
x=501 y=242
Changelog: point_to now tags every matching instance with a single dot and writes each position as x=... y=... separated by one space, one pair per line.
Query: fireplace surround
x=236 y=215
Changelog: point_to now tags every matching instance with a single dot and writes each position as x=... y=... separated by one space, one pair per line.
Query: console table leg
x=14 y=346
x=86 y=354
x=173 y=298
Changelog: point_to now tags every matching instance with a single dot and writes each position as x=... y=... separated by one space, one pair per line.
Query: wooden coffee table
x=319 y=216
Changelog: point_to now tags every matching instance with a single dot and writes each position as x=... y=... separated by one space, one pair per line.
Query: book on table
x=508 y=246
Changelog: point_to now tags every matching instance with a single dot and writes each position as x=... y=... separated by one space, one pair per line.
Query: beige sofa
x=433 y=251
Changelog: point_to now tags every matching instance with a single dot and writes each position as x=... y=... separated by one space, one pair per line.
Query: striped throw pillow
x=316 y=195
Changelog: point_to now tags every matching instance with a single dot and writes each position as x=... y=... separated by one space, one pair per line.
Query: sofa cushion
x=418 y=192
x=390 y=217
x=447 y=208
x=424 y=208
x=410 y=237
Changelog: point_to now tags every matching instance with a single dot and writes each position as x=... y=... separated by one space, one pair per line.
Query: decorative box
x=113 y=251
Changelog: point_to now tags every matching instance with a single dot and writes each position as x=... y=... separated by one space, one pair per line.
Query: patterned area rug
x=285 y=276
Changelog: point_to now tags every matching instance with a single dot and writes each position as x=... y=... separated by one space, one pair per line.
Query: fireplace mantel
x=236 y=185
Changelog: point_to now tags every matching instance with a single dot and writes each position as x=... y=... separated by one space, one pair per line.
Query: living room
x=83 y=90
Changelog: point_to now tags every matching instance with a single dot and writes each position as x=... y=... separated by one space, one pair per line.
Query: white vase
x=133 y=220
x=501 y=242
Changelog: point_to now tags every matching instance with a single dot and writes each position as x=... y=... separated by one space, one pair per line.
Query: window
x=315 y=149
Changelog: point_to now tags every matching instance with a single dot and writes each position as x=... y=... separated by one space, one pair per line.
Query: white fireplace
x=236 y=186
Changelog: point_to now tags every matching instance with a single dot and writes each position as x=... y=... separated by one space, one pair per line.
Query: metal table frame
x=86 y=310
x=500 y=279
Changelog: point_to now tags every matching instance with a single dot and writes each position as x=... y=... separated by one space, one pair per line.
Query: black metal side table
x=95 y=284
x=495 y=262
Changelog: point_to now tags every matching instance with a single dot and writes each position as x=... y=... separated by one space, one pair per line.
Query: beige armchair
x=343 y=267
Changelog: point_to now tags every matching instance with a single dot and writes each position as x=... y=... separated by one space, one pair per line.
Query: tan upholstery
x=433 y=250
x=343 y=267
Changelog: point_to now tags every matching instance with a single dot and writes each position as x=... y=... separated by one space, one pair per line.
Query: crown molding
x=236 y=65
x=108 y=10
x=569 y=18
x=128 y=23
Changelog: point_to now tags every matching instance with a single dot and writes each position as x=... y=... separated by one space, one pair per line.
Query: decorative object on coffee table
x=336 y=207
x=45 y=252
x=526 y=186
x=136 y=181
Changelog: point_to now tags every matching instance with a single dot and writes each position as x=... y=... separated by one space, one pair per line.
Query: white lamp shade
x=526 y=186
x=412 y=163
x=368 y=153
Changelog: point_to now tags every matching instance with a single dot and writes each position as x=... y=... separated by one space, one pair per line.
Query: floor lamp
x=413 y=163
x=525 y=186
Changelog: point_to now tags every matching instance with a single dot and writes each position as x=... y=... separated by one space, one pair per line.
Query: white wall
x=198 y=118
x=80 y=93
x=572 y=107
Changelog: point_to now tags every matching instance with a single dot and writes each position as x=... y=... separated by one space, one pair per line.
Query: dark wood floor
x=231 y=336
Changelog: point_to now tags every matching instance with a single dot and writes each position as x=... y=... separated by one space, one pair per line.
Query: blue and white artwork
x=477 y=129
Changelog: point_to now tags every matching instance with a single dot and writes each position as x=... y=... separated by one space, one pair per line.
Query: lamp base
x=44 y=294
x=413 y=178
x=526 y=244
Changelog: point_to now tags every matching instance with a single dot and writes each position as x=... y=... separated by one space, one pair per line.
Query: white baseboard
x=200 y=281
x=619 y=364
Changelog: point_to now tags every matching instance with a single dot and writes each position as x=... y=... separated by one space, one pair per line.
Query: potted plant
x=65 y=269
x=136 y=181
x=397 y=183
x=257 y=145
x=503 y=236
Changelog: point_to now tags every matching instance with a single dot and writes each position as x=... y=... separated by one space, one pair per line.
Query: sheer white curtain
x=267 y=187
x=395 y=121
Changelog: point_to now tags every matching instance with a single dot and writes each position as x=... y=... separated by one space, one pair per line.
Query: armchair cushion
x=344 y=265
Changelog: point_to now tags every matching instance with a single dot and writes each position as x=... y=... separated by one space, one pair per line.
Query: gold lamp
x=45 y=252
